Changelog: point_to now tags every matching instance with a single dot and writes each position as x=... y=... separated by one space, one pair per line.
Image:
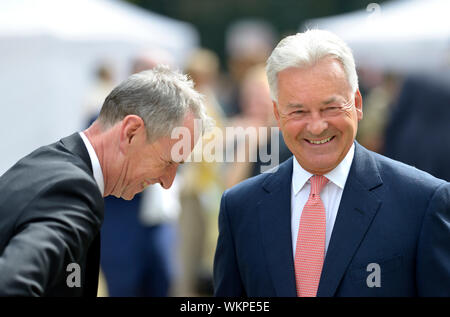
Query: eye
x=332 y=108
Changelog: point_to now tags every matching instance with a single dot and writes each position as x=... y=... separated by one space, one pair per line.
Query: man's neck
x=97 y=137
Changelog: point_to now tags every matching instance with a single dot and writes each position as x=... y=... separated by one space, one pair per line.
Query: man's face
x=318 y=114
x=150 y=163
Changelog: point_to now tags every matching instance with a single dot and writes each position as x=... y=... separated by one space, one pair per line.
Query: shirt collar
x=96 y=168
x=338 y=175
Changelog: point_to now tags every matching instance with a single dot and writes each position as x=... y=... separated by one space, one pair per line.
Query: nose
x=316 y=124
x=168 y=177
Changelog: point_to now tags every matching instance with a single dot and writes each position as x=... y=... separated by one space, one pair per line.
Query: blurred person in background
x=336 y=219
x=248 y=43
x=104 y=83
x=257 y=112
x=139 y=236
x=418 y=132
x=201 y=187
x=381 y=92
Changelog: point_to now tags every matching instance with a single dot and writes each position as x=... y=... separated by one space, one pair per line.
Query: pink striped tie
x=310 y=249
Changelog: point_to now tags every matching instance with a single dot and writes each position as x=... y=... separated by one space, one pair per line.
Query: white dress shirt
x=96 y=168
x=331 y=194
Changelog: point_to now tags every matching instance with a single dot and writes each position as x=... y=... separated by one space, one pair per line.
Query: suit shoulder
x=49 y=183
x=48 y=169
x=405 y=174
x=253 y=186
x=248 y=185
x=53 y=162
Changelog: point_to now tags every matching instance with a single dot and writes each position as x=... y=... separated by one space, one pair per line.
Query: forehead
x=324 y=79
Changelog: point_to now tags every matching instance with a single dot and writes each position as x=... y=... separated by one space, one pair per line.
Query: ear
x=276 y=113
x=132 y=131
x=359 y=105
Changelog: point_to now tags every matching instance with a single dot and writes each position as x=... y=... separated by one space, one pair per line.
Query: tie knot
x=317 y=184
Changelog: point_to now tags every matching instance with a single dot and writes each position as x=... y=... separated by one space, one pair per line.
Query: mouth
x=321 y=141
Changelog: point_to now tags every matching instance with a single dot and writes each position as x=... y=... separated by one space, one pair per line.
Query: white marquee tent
x=404 y=36
x=49 y=52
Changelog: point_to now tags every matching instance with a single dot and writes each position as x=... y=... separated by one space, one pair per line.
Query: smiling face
x=151 y=164
x=143 y=163
x=318 y=114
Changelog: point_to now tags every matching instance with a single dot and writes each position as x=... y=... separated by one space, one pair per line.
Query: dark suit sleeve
x=433 y=255
x=227 y=280
x=54 y=229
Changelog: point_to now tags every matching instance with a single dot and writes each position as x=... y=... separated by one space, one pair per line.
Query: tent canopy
x=404 y=35
x=95 y=21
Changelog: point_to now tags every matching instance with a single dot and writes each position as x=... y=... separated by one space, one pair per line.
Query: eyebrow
x=329 y=100
x=295 y=105
x=169 y=160
x=173 y=162
x=326 y=102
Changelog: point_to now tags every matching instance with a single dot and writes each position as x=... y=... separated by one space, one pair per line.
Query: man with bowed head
x=335 y=219
x=51 y=201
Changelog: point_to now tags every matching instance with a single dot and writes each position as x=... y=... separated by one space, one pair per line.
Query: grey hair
x=161 y=97
x=306 y=49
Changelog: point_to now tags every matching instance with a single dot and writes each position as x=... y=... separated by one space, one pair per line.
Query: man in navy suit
x=387 y=224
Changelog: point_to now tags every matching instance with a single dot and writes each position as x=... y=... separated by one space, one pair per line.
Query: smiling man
x=51 y=201
x=336 y=219
x=318 y=112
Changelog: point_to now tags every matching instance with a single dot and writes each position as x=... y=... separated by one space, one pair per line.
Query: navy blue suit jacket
x=390 y=214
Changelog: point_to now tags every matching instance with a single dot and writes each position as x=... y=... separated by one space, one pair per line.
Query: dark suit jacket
x=51 y=211
x=390 y=214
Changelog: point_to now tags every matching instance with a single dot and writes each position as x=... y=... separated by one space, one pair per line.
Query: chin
x=127 y=196
x=320 y=169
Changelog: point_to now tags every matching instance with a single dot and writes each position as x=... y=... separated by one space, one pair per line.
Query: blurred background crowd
x=60 y=59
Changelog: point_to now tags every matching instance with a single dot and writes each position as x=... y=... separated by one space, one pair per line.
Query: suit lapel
x=355 y=214
x=274 y=211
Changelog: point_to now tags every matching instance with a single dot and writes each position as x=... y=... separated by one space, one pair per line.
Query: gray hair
x=161 y=97
x=306 y=49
